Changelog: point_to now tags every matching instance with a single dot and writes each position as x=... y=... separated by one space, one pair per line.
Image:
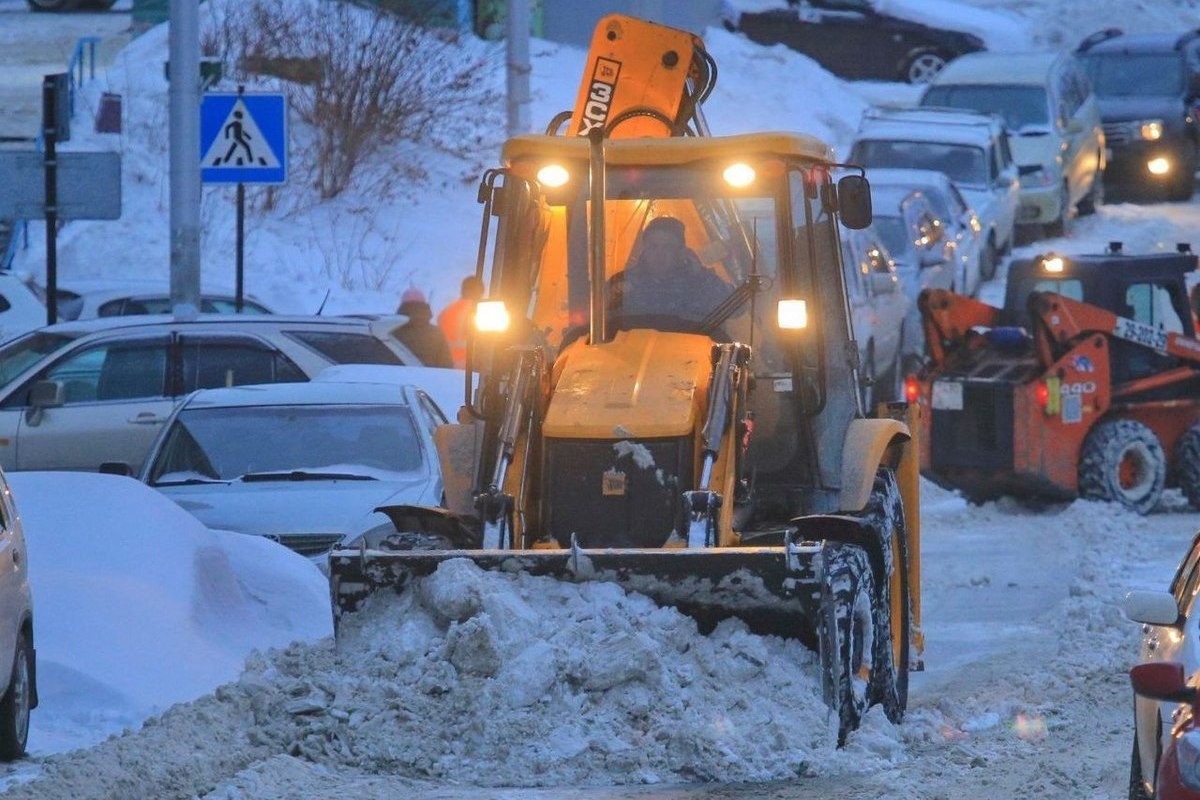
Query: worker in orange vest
x=455 y=319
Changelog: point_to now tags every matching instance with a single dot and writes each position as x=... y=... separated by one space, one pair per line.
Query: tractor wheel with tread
x=889 y=680
x=1122 y=461
x=17 y=703
x=848 y=634
x=1187 y=464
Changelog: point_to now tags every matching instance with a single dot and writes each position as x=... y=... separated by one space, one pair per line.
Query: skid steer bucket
x=774 y=590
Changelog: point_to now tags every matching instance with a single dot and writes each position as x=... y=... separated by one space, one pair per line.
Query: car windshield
x=894 y=234
x=1133 y=74
x=1019 y=105
x=17 y=356
x=962 y=163
x=288 y=443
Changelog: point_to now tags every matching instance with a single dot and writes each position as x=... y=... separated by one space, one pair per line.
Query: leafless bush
x=363 y=79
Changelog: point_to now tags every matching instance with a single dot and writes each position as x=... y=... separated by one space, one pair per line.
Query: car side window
x=347 y=348
x=113 y=371
x=209 y=364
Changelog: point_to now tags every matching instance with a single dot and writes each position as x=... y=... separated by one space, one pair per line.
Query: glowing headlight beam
x=793 y=315
x=739 y=175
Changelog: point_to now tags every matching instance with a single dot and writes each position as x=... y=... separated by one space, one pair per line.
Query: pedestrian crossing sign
x=243 y=138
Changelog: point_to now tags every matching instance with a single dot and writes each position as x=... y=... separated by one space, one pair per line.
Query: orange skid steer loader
x=1086 y=383
x=708 y=451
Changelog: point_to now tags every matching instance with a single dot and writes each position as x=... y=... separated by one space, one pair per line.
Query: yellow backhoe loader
x=707 y=449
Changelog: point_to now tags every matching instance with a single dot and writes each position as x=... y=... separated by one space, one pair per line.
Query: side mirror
x=1162 y=680
x=854 y=200
x=116 y=468
x=883 y=282
x=47 y=394
x=1151 y=608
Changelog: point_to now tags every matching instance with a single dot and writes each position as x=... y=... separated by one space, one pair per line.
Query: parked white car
x=1170 y=622
x=304 y=464
x=878 y=307
x=971 y=148
x=21 y=307
x=89 y=298
x=81 y=394
x=977 y=260
x=18 y=668
x=1054 y=121
x=915 y=236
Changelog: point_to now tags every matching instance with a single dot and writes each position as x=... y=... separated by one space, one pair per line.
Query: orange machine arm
x=947 y=318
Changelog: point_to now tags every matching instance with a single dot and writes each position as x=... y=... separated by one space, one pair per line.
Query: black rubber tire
x=889 y=679
x=1094 y=199
x=989 y=261
x=1058 y=227
x=848 y=633
x=1187 y=465
x=922 y=65
x=17 y=703
x=1123 y=462
x=1137 y=791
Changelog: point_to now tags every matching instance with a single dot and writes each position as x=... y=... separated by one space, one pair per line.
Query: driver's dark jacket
x=689 y=290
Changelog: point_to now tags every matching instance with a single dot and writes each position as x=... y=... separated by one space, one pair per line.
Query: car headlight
x=1187 y=750
x=1150 y=130
x=1037 y=177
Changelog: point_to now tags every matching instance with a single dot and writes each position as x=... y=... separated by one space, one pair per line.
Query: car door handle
x=146 y=418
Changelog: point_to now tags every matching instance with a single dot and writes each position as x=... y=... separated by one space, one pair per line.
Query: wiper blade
x=302 y=475
x=188 y=482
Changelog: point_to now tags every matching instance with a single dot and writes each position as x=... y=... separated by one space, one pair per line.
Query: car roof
x=307 y=393
x=105 y=324
x=999 y=69
x=1136 y=43
x=930 y=125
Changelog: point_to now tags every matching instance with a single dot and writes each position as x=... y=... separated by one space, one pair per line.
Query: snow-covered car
x=18 y=686
x=915 y=236
x=878 y=306
x=872 y=39
x=446 y=386
x=976 y=260
x=1170 y=632
x=971 y=148
x=81 y=394
x=304 y=464
x=1054 y=121
x=100 y=297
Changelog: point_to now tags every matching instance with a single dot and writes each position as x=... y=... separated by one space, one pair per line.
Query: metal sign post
x=243 y=139
x=50 y=84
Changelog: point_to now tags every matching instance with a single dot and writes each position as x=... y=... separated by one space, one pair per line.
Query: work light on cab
x=793 y=315
x=491 y=316
x=1052 y=263
x=553 y=175
x=739 y=175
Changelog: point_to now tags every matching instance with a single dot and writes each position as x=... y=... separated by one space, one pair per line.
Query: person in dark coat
x=419 y=334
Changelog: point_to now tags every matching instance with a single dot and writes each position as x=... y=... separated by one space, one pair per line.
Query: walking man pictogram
x=241 y=138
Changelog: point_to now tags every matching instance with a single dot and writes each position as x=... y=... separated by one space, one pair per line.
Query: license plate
x=947 y=395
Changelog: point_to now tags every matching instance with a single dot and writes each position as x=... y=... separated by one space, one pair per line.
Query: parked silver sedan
x=304 y=464
x=976 y=258
x=78 y=395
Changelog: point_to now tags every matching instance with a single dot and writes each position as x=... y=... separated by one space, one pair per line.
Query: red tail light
x=912 y=389
x=1041 y=393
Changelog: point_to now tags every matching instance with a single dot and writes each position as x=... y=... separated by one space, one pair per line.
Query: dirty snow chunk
x=620 y=659
x=454 y=593
x=640 y=454
x=983 y=722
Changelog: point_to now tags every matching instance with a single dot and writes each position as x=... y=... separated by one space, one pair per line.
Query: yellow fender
x=862 y=452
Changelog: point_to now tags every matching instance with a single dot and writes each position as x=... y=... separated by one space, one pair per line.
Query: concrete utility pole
x=517 y=50
x=184 y=50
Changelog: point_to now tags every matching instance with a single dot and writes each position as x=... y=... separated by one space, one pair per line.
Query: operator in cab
x=665 y=278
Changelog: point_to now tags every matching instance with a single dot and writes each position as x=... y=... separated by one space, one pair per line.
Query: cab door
x=116 y=400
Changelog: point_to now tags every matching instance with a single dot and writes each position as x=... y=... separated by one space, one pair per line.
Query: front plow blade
x=775 y=590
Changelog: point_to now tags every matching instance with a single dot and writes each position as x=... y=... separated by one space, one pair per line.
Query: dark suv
x=1148 y=85
x=852 y=39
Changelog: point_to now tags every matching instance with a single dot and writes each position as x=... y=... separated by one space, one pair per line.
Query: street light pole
x=518 y=69
x=184 y=110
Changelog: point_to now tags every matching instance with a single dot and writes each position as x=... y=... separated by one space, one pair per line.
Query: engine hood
x=1122 y=109
x=296 y=507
